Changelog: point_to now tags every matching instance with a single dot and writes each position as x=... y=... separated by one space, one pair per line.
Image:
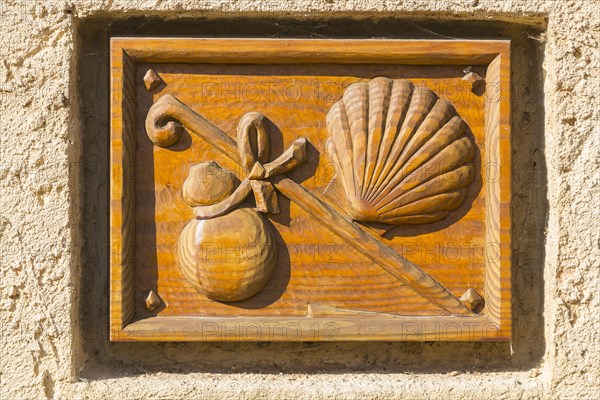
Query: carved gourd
x=229 y=257
x=208 y=183
x=402 y=154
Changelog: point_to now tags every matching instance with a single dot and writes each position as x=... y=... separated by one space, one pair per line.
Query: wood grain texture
x=226 y=205
x=265 y=197
x=229 y=258
x=123 y=145
x=402 y=153
x=385 y=257
x=207 y=183
x=382 y=255
x=497 y=131
x=330 y=328
x=294 y=51
x=323 y=272
x=205 y=246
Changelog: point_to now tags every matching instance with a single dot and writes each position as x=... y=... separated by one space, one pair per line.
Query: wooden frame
x=495 y=324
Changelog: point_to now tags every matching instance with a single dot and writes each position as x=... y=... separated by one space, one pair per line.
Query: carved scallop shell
x=402 y=154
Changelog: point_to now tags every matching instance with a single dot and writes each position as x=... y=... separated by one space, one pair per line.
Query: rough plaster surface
x=53 y=213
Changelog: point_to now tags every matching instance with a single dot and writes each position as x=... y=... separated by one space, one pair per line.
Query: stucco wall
x=53 y=223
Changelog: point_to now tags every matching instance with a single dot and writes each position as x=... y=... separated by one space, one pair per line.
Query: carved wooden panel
x=310 y=190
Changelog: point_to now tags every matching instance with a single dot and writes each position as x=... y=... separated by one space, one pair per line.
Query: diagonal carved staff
x=164 y=124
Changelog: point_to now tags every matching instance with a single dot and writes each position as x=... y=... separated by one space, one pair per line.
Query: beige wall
x=53 y=222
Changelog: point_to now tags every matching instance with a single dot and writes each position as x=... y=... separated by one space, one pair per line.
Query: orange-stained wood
x=296 y=51
x=294 y=87
x=383 y=256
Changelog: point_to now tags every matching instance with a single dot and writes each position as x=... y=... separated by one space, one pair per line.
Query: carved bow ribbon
x=252 y=147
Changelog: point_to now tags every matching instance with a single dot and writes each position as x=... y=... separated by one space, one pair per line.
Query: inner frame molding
x=321 y=322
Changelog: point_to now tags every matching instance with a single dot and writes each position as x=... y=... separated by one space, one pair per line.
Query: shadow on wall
x=102 y=359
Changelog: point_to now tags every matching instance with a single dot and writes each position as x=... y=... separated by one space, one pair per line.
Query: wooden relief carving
x=244 y=185
x=401 y=152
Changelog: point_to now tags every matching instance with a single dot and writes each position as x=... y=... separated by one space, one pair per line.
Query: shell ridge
x=434 y=121
x=346 y=184
x=342 y=143
x=447 y=134
x=425 y=100
x=349 y=140
x=455 y=179
x=459 y=151
x=353 y=100
x=439 y=202
x=421 y=102
x=380 y=91
x=396 y=145
x=397 y=112
x=409 y=182
x=401 y=154
x=364 y=140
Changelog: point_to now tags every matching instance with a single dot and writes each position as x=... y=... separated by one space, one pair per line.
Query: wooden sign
x=310 y=190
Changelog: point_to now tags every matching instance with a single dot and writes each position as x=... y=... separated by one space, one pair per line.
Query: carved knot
x=253 y=148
